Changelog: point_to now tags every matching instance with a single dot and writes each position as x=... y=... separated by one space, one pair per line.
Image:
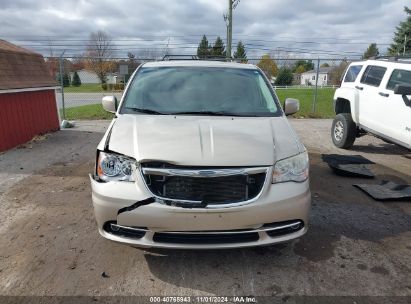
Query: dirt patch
x=339 y=209
x=380 y=270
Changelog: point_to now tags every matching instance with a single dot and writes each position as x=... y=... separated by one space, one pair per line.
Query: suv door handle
x=384 y=94
x=359 y=88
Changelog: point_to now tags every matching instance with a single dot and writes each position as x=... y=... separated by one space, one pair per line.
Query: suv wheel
x=343 y=131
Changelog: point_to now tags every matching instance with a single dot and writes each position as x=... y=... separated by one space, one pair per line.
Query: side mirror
x=110 y=104
x=402 y=89
x=291 y=106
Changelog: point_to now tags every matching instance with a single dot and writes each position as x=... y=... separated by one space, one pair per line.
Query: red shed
x=27 y=96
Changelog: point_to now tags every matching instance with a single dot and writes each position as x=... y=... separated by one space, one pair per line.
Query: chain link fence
x=85 y=81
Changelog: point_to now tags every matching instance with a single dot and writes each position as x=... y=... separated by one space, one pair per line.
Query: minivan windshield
x=200 y=91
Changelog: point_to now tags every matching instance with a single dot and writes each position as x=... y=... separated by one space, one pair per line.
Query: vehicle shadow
x=228 y=272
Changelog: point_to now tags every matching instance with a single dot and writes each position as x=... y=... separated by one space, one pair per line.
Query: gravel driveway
x=49 y=244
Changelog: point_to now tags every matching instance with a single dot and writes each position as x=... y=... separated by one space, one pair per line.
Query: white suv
x=200 y=155
x=374 y=98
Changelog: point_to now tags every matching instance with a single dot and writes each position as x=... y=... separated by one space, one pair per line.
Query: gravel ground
x=49 y=244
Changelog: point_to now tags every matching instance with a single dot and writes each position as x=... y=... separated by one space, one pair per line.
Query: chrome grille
x=213 y=186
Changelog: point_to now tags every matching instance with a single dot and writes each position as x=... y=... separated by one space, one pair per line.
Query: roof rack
x=194 y=57
x=179 y=57
x=403 y=59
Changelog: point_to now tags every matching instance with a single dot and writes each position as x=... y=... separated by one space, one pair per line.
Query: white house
x=87 y=76
x=309 y=77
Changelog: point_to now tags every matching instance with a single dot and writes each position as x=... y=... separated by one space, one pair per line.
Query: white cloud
x=334 y=25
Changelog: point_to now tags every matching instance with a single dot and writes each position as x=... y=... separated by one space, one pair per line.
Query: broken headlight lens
x=294 y=169
x=115 y=167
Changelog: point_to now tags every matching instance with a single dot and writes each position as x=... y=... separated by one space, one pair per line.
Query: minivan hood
x=203 y=140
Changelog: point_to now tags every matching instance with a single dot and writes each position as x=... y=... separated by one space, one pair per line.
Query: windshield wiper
x=210 y=113
x=147 y=111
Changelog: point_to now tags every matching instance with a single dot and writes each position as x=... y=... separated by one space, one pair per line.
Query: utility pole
x=228 y=38
x=232 y=4
x=405 y=43
x=230 y=27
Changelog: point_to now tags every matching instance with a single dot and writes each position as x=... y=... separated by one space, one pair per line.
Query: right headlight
x=115 y=167
x=294 y=169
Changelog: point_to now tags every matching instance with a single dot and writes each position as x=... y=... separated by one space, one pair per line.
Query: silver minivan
x=200 y=155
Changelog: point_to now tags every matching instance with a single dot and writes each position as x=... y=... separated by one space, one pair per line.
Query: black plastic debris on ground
x=349 y=165
x=105 y=275
x=386 y=191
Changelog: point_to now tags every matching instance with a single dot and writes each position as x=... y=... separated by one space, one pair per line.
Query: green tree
x=203 y=50
x=268 y=66
x=402 y=36
x=300 y=69
x=284 y=77
x=324 y=65
x=76 y=82
x=307 y=64
x=66 y=80
x=240 y=53
x=218 y=49
x=372 y=51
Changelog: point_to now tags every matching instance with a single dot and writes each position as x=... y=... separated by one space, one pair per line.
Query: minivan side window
x=373 y=75
x=352 y=73
x=400 y=77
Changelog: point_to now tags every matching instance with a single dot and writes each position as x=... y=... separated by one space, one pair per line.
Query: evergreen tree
x=372 y=51
x=218 y=49
x=76 y=82
x=66 y=80
x=402 y=36
x=284 y=77
x=240 y=53
x=203 y=50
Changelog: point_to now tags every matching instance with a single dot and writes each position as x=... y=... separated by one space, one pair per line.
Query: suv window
x=373 y=75
x=352 y=73
x=401 y=77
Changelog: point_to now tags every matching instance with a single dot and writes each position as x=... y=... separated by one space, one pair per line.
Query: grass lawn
x=324 y=107
x=85 y=88
x=95 y=111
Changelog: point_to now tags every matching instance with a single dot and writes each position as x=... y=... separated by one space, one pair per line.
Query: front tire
x=343 y=131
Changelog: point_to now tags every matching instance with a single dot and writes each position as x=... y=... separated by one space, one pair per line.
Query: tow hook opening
x=131 y=232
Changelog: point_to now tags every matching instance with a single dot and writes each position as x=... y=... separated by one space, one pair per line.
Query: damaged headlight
x=115 y=167
x=294 y=169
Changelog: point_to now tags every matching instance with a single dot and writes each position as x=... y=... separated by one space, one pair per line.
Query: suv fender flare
x=350 y=95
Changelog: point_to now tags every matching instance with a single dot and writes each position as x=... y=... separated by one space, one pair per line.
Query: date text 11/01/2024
x=203 y=299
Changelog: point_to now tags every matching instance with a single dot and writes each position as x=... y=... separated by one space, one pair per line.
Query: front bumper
x=278 y=204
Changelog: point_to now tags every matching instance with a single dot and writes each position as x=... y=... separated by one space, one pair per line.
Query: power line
x=155 y=40
x=266 y=49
